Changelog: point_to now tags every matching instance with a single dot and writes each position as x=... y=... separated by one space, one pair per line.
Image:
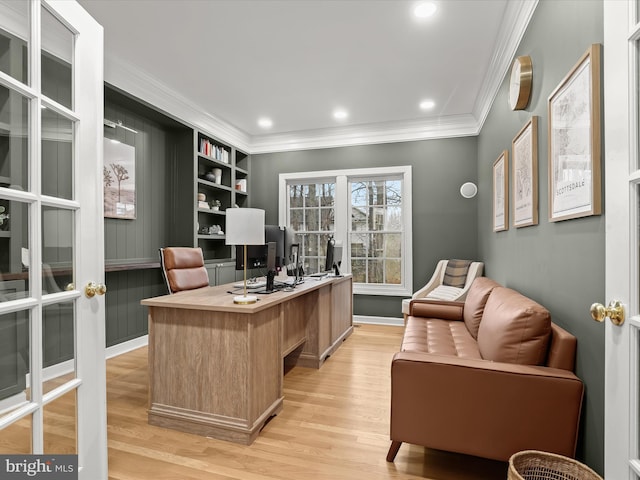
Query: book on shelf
x=215 y=151
x=202 y=204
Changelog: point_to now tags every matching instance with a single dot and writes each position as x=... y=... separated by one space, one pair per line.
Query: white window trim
x=342 y=178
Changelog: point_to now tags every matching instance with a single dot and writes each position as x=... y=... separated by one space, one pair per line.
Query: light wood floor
x=334 y=426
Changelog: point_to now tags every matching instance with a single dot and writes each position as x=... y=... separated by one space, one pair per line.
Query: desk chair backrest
x=183 y=268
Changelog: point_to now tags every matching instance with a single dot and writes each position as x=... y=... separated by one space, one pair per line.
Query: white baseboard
x=378 y=320
x=63 y=368
x=127 y=346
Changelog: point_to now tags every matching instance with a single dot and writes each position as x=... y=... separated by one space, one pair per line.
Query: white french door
x=52 y=343
x=622 y=176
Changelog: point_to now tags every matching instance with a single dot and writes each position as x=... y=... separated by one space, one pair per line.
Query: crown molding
x=149 y=89
x=514 y=24
x=386 y=132
x=134 y=81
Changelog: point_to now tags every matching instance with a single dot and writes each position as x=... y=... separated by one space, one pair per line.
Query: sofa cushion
x=514 y=329
x=442 y=292
x=455 y=275
x=441 y=337
x=475 y=303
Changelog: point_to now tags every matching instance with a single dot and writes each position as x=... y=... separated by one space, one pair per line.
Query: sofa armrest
x=436 y=309
x=436 y=279
x=483 y=408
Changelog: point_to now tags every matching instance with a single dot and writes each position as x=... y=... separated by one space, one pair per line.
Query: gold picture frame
x=524 y=182
x=575 y=188
x=501 y=192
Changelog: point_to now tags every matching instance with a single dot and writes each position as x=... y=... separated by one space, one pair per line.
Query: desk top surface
x=220 y=298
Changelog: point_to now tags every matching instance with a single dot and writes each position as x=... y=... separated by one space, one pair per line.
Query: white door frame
x=90 y=313
x=622 y=185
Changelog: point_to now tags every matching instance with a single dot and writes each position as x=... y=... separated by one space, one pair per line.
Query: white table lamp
x=245 y=226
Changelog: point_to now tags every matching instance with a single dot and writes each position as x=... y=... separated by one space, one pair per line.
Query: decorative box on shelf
x=241 y=185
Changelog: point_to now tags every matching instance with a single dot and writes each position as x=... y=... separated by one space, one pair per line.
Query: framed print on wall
x=574 y=141
x=119 y=180
x=524 y=152
x=500 y=190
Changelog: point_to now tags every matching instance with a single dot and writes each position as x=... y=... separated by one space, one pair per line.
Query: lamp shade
x=245 y=226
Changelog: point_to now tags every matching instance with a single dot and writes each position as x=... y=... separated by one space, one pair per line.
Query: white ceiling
x=295 y=61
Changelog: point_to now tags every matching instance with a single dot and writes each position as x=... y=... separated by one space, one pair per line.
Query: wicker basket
x=535 y=465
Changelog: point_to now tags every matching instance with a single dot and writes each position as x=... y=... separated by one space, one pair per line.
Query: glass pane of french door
x=57 y=60
x=14 y=140
x=15 y=388
x=57 y=154
x=14 y=32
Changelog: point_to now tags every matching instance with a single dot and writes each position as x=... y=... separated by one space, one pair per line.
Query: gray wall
x=444 y=223
x=561 y=265
x=139 y=240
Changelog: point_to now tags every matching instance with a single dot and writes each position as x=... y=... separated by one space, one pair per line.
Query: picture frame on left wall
x=501 y=192
x=119 y=180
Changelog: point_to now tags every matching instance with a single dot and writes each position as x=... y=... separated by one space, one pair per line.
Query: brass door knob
x=93 y=288
x=615 y=312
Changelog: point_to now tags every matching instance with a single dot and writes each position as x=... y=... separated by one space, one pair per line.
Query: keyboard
x=251 y=285
x=318 y=275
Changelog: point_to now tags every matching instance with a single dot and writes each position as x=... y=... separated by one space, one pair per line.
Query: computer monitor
x=281 y=251
x=334 y=256
x=257 y=255
x=293 y=267
x=271 y=265
x=291 y=252
x=337 y=259
x=276 y=234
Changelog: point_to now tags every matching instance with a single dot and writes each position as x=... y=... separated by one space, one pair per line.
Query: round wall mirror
x=468 y=190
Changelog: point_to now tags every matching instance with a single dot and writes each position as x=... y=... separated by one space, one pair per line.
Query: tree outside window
x=376 y=231
x=312 y=216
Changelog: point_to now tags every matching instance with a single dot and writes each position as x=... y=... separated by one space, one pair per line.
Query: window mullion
x=342 y=215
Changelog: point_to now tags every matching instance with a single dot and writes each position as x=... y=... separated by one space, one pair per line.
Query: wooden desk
x=216 y=368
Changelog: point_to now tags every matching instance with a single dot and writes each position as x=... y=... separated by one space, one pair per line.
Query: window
x=368 y=211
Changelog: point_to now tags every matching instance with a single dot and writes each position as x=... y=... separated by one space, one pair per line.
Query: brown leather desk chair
x=183 y=268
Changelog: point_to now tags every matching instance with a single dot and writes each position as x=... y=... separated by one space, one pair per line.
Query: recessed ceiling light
x=340 y=114
x=424 y=9
x=427 y=104
x=265 y=122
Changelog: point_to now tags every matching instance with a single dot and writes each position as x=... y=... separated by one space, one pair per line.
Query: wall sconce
x=112 y=124
x=468 y=190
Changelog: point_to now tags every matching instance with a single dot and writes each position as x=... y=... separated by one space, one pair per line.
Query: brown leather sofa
x=488 y=377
